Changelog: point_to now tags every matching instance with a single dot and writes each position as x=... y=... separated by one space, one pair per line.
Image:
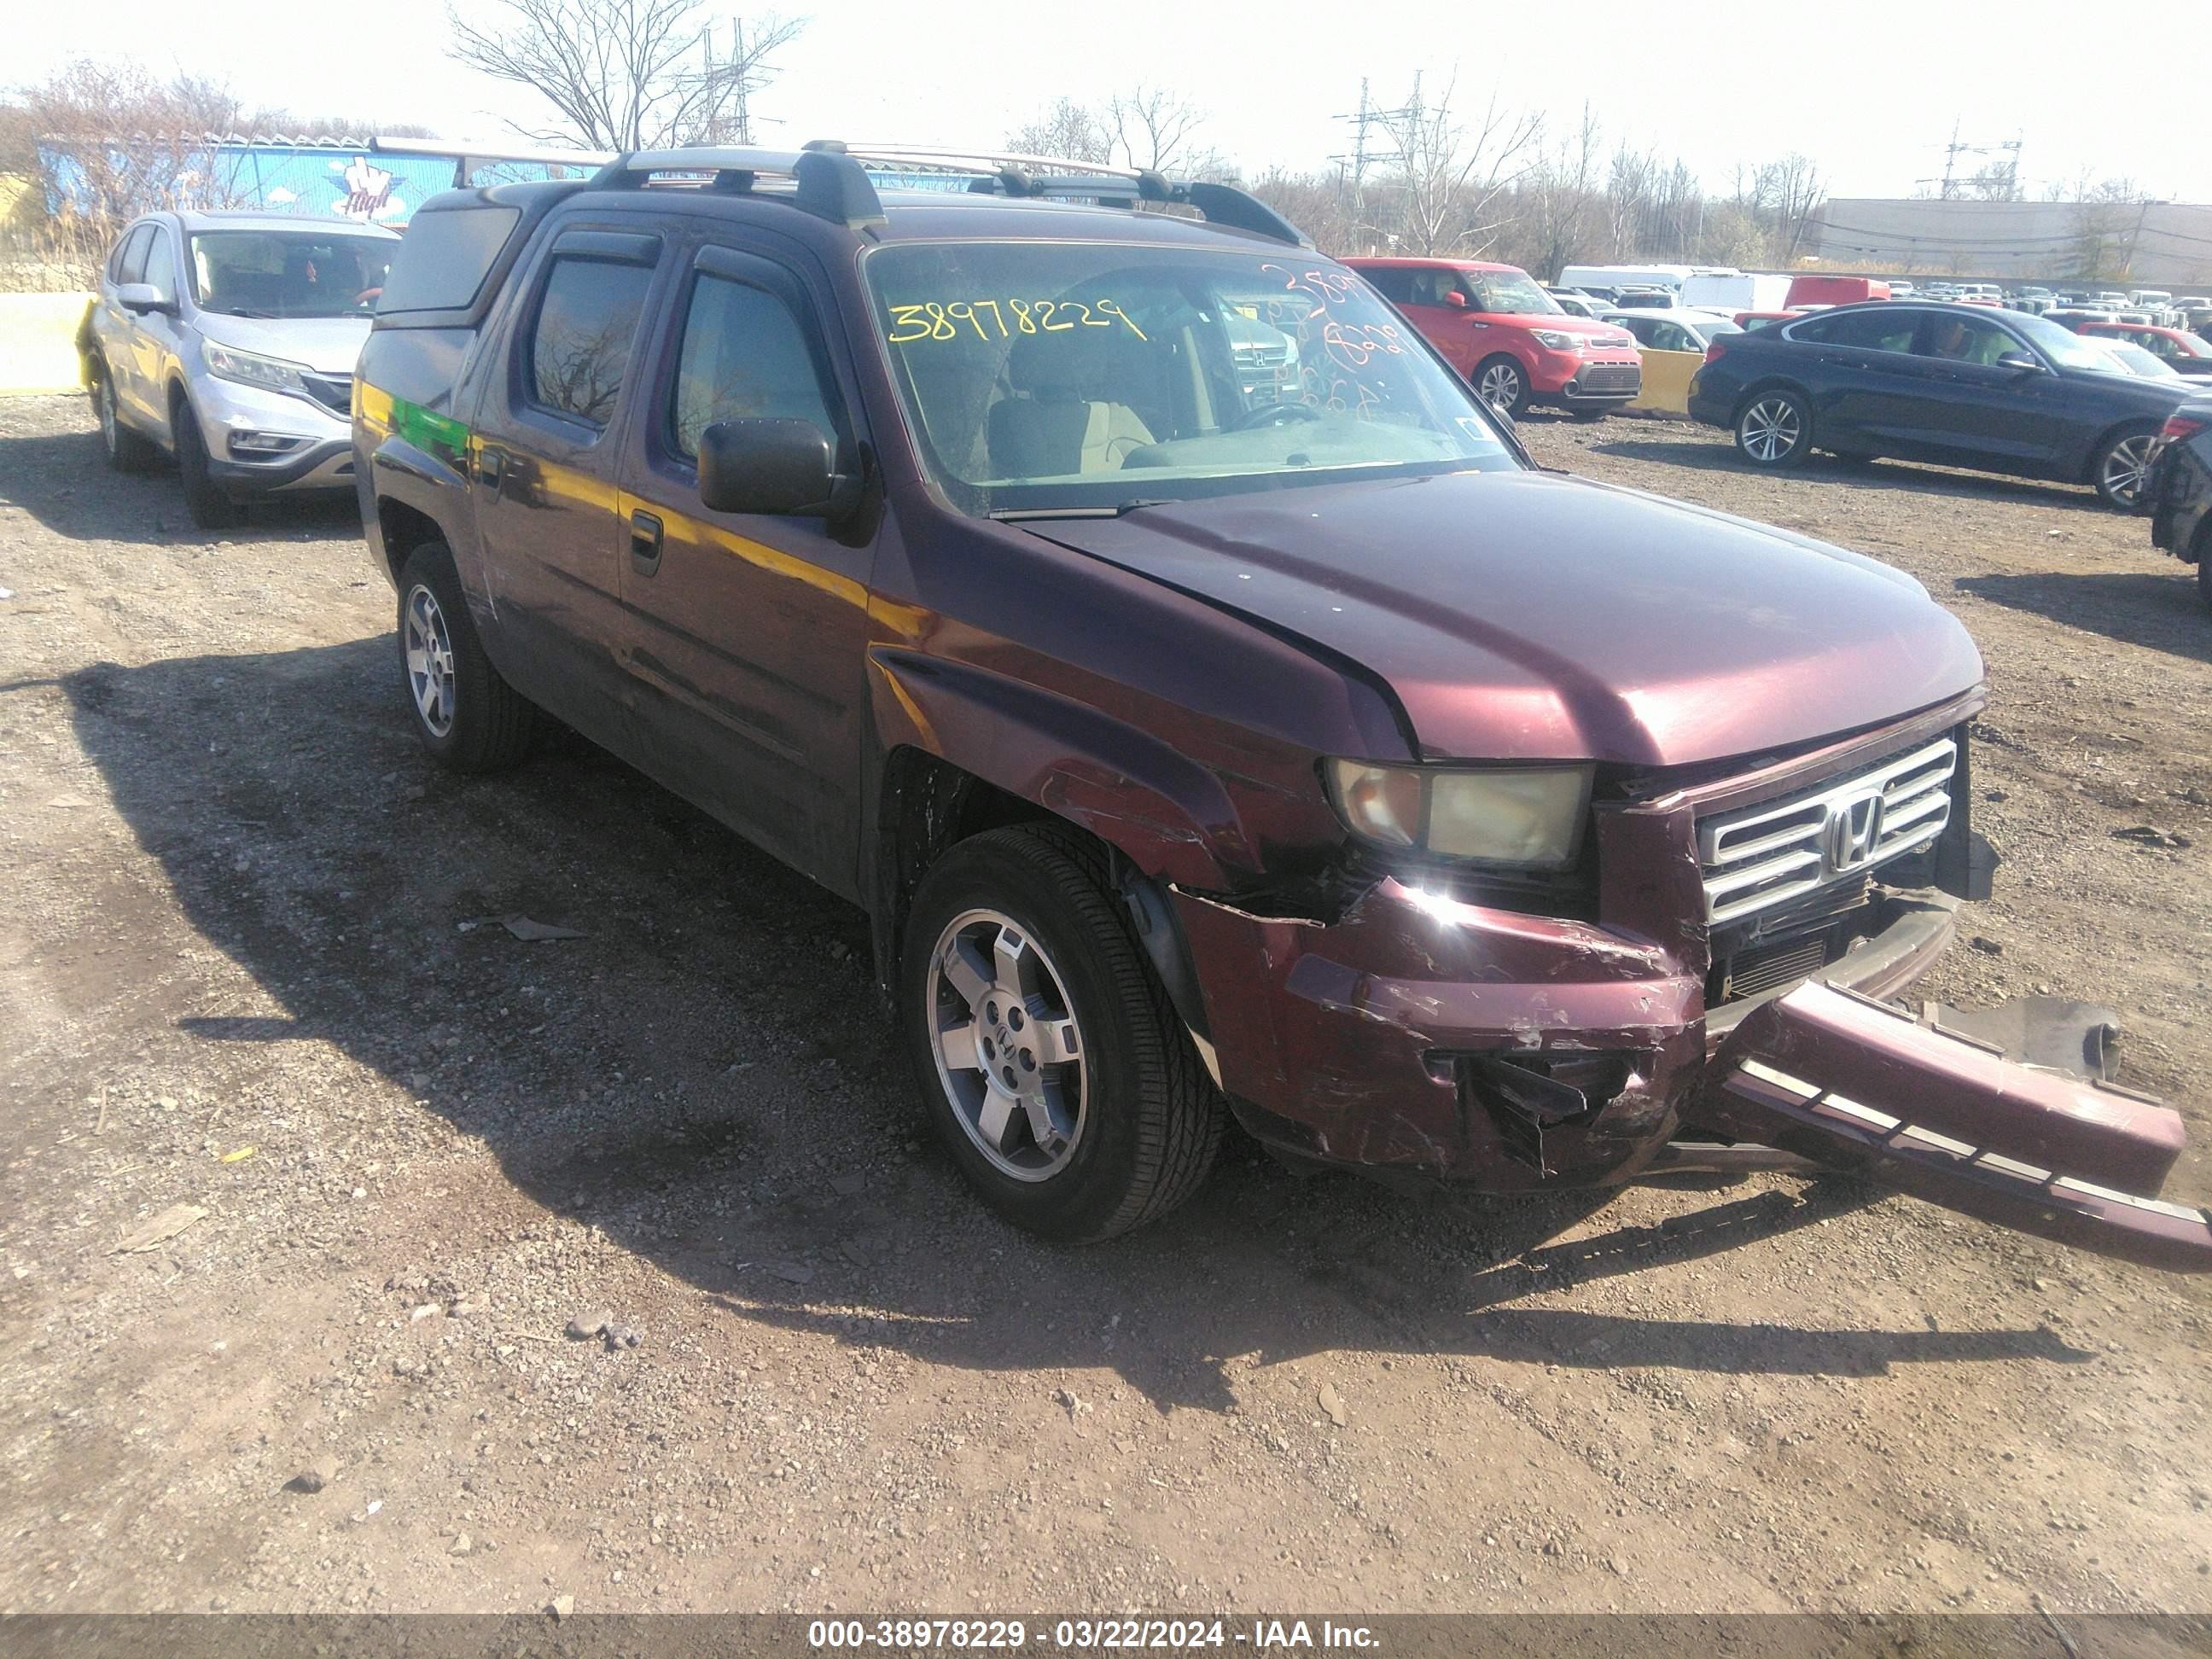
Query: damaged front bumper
x=1419 y=1036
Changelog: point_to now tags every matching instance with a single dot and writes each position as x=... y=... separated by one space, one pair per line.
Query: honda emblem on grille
x=1852 y=832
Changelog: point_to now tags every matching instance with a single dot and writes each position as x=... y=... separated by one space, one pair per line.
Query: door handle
x=644 y=542
x=491 y=467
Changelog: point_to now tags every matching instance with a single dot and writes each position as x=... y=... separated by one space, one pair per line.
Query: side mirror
x=2020 y=363
x=773 y=466
x=1456 y=300
x=142 y=297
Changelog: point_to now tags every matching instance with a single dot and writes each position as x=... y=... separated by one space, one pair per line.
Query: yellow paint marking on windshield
x=939 y=319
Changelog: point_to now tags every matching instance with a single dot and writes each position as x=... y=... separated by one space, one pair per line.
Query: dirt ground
x=250 y=961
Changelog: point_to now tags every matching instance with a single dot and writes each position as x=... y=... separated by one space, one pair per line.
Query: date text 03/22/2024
x=1088 y=1635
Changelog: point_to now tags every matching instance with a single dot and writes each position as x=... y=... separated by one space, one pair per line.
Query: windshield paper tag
x=936 y=321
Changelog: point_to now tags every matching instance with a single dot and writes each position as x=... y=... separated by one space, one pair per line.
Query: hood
x=329 y=345
x=1567 y=323
x=1527 y=616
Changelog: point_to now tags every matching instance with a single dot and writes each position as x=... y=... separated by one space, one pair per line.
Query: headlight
x=251 y=369
x=1529 y=818
x=1558 y=341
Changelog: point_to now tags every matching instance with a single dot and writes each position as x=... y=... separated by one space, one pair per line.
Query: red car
x=2179 y=350
x=1509 y=338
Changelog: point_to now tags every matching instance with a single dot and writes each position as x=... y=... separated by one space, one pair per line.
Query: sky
x=1871 y=96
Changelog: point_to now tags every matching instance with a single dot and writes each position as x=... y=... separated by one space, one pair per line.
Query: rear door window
x=1394 y=282
x=580 y=343
x=1882 y=329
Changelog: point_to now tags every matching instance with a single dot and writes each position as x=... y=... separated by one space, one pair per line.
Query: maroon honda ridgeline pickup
x=1214 y=709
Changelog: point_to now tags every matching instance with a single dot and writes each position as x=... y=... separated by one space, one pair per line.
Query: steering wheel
x=1273 y=415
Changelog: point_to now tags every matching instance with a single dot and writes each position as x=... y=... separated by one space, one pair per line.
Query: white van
x=1736 y=291
x=1620 y=276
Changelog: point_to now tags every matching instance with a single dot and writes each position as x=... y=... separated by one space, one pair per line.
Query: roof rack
x=468 y=157
x=829 y=181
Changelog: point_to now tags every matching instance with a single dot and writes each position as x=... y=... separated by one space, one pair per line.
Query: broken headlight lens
x=1527 y=817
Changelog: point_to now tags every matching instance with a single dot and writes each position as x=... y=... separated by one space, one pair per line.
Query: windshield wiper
x=264 y=315
x=1015 y=514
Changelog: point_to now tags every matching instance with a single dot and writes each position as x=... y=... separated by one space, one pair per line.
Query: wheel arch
x=2086 y=472
x=404 y=528
x=931 y=805
x=1767 y=383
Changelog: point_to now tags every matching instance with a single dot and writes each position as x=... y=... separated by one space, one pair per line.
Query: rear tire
x=1774 y=429
x=467 y=716
x=128 y=451
x=2122 y=467
x=210 y=504
x=1125 y=1126
x=1501 y=382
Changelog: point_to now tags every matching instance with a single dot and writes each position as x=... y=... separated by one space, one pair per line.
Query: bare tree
x=1066 y=129
x=627 y=74
x=1156 y=129
x=1561 y=195
x=1451 y=174
x=106 y=143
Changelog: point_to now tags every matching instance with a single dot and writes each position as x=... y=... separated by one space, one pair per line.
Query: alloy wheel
x=1500 y=387
x=429 y=660
x=1010 y=1056
x=2127 y=467
x=1770 y=429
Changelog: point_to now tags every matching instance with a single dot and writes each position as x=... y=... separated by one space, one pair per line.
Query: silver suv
x=229 y=340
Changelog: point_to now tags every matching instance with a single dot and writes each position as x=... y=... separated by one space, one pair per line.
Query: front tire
x=2122 y=467
x=1774 y=429
x=210 y=505
x=1054 y=1067
x=1585 y=413
x=127 y=451
x=1502 y=383
x=467 y=716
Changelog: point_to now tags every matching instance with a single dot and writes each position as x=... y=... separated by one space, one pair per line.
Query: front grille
x=1769 y=855
x=1763 y=967
x=1611 y=377
x=333 y=391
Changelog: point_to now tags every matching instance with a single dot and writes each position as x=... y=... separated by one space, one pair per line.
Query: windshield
x=2136 y=360
x=2062 y=346
x=1510 y=294
x=1041 y=377
x=288 y=273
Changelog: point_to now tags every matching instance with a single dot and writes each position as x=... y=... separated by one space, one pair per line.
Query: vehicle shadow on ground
x=2162 y=610
x=63 y=480
x=1882 y=475
x=706 y=1076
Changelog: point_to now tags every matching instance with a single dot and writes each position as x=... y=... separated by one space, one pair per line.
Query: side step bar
x=1854 y=1083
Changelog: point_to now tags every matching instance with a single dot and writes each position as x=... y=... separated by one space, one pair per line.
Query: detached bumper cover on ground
x=1852 y=1082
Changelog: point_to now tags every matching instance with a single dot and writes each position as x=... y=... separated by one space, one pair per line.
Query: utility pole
x=2128 y=266
x=1363 y=155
